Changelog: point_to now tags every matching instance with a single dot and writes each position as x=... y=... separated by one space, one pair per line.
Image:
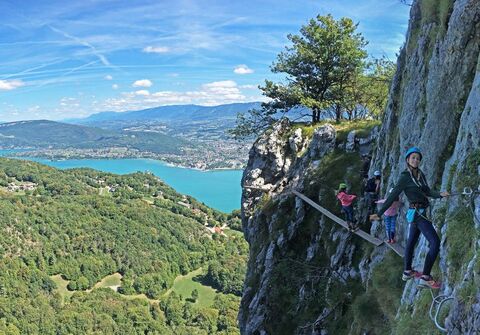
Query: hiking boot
x=428 y=282
x=407 y=275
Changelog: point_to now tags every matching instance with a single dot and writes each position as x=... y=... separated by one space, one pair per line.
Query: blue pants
x=390 y=222
x=348 y=210
x=421 y=225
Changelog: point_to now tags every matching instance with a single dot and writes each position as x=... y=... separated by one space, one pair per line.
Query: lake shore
x=219 y=189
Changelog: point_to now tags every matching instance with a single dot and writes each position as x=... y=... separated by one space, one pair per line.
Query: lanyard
x=421 y=179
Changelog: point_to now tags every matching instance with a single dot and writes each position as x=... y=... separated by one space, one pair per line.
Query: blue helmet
x=413 y=150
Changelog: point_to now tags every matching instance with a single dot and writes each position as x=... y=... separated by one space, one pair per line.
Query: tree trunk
x=315 y=115
x=338 y=112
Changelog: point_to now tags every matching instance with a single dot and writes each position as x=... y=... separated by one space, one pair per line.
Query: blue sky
x=62 y=59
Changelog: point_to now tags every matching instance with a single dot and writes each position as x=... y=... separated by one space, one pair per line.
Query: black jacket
x=416 y=190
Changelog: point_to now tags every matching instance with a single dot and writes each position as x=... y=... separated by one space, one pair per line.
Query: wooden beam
x=377 y=242
x=396 y=247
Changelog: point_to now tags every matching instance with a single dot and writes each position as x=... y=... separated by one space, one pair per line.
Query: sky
x=65 y=59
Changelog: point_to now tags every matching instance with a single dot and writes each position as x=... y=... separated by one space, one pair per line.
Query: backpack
x=371 y=185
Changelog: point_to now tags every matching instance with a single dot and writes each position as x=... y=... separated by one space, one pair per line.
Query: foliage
x=234 y=220
x=321 y=62
x=66 y=227
x=375 y=310
x=369 y=91
x=327 y=76
x=415 y=319
x=461 y=238
x=228 y=271
x=362 y=128
x=469 y=176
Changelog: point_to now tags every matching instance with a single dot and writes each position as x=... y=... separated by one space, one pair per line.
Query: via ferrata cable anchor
x=467 y=191
x=436 y=305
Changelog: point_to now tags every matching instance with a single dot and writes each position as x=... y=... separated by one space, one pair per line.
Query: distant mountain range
x=44 y=134
x=174 y=113
x=187 y=135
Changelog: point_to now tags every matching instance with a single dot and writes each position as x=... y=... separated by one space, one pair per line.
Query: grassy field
x=62 y=287
x=183 y=285
x=112 y=281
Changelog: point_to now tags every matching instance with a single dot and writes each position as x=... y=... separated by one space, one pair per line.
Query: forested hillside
x=85 y=225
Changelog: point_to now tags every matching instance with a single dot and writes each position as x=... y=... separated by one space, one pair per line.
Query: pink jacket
x=346 y=199
x=393 y=209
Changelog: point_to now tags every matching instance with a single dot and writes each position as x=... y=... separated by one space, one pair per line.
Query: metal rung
x=438 y=301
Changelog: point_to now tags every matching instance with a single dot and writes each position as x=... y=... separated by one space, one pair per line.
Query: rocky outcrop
x=274 y=225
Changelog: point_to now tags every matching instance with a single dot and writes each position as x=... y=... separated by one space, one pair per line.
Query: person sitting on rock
x=412 y=181
x=390 y=217
x=346 y=201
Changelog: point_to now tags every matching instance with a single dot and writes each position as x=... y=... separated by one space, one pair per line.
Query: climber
x=346 y=201
x=364 y=172
x=412 y=181
x=372 y=190
x=391 y=217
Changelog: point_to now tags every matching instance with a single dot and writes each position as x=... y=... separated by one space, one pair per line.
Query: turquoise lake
x=218 y=189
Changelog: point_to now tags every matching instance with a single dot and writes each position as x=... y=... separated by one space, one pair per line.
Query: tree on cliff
x=367 y=94
x=327 y=76
x=320 y=64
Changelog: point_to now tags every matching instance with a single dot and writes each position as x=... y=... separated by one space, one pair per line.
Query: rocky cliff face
x=434 y=104
x=302 y=269
x=307 y=275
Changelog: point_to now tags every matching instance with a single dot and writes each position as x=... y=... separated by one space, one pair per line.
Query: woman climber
x=390 y=217
x=412 y=181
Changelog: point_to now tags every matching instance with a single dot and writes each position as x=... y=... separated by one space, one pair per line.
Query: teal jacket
x=416 y=190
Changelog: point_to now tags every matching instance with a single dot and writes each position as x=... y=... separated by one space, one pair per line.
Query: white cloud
x=7 y=85
x=115 y=86
x=142 y=92
x=69 y=102
x=65 y=99
x=156 y=50
x=249 y=87
x=209 y=94
x=227 y=89
x=142 y=83
x=242 y=69
x=108 y=77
